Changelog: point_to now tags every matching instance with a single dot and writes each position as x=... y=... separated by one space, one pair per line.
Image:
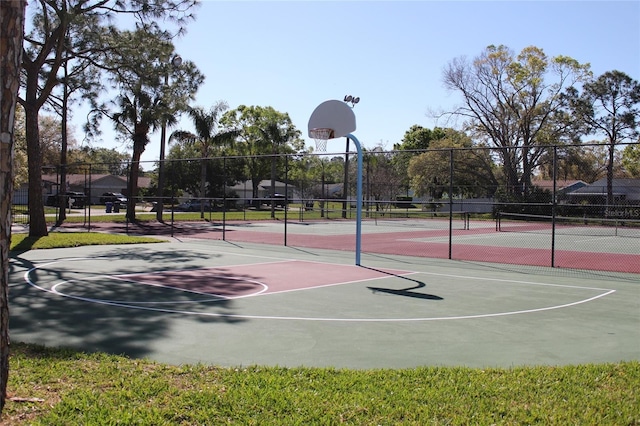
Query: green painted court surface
x=230 y=304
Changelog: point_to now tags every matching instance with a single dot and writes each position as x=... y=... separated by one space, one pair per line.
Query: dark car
x=279 y=200
x=193 y=206
x=75 y=200
x=113 y=197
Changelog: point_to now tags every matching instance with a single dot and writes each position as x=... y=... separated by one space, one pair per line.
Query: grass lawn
x=64 y=387
x=23 y=242
x=333 y=210
x=56 y=386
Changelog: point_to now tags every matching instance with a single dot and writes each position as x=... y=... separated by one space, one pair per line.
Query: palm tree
x=140 y=68
x=207 y=136
x=138 y=115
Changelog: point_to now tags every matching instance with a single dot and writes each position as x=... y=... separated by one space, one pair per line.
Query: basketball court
x=241 y=302
x=230 y=304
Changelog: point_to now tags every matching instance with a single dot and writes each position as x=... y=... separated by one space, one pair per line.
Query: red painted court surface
x=262 y=278
x=525 y=244
x=520 y=250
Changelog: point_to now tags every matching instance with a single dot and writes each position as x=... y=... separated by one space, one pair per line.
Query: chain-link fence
x=540 y=205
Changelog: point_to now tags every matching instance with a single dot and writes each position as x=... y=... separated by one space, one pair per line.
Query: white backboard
x=335 y=115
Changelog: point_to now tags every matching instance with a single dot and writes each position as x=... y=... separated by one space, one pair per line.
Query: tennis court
x=610 y=247
x=230 y=303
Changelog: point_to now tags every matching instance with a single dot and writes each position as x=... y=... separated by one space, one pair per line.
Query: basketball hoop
x=335 y=119
x=321 y=136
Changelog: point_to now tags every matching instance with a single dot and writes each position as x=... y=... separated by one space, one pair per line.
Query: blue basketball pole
x=358 y=198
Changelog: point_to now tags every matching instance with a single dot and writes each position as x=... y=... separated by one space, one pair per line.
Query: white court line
x=54 y=288
x=217 y=297
x=606 y=292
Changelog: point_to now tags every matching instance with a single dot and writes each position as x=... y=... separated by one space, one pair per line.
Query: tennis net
x=420 y=219
x=564 y=225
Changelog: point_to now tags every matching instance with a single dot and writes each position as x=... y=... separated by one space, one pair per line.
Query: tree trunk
x=612 y=150
x=37 y=221
x=510 y=172
x=255 y=184
x=62 y=212
x=134 y=172
x=203 y=183
x=11 y=35
x=273 y=185
x=140 y=140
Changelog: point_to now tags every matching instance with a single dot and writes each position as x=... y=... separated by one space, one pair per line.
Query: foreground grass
x=56 y=386
x=23 y=242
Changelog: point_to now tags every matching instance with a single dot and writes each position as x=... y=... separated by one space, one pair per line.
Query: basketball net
x=321 y=136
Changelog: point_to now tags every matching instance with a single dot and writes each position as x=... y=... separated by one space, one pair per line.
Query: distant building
x=625 y=191
x=244 y=190
x=92 y=185
x=626 y=198
x=563 y=187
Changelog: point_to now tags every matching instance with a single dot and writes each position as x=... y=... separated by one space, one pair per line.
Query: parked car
x=113 y=197
x=77 y=200
x=193 y=206
x=279 y=200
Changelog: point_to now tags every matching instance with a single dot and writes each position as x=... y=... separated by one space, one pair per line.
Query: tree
x=182 y=170
x=80 y=78
x=587 y=162
x=299 y=172
x=144 y=97
x=278 y=135
x=609 y=105
x=514 y=103
x=207 y=137
x=631 y=160
x=252 y=121
x=415 y=140
x=419 y=138
x=473 y=169
x=102 y=160
x=51 y=140
x=47 y=47
x=12 y=14
x=315 y=173
x=381 y=179
x=20 y=169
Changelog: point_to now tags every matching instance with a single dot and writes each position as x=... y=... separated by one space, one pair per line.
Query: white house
x=93 y=185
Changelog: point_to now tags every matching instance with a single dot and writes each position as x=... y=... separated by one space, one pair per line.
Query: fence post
x=89 y=198
x=450 y=202
x=286 y=195
x=224 y=196
x=553 y=205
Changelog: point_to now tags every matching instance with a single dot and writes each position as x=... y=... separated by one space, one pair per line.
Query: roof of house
x=76 y=179
x=560 y=184
x=626 y=187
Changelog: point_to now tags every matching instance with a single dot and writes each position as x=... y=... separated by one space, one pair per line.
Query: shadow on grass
x=36 y=351
x=25 y=245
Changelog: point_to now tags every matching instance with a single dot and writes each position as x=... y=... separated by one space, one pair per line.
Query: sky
x=294 y=55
